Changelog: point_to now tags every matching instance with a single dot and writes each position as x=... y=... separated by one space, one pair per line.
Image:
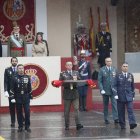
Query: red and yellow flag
x=107 y=21
x=91 y=35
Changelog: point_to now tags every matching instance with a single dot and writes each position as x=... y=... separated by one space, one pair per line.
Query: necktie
x=17 y=37
x=125 y=76
x=14 y=69
x=109 y=69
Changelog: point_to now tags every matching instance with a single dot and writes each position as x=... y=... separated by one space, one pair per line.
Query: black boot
x=79 y=126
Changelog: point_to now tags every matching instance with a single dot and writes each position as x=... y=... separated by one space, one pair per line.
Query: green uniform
x=105 y=81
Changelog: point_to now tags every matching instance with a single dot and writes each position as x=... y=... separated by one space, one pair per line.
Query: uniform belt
x=84 y=74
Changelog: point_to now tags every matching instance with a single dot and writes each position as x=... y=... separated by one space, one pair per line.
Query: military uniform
x=103 y=46
x=85 y=73
x=17 y=46
x=105 y=82
x=21 y=91
x=124 y=88
x=81 y=41
x=8 y=75
x=70 y=96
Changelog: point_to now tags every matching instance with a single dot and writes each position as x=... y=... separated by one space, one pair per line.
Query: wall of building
x=59 y=27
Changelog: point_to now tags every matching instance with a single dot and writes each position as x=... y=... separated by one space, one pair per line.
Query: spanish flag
x=107 y=21
x=91 y=35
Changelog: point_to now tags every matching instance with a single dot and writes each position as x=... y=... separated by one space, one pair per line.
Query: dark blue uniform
x=21 y=91
x=8 y=74
x=124 y=88
x=103 y=46
x=85 y=73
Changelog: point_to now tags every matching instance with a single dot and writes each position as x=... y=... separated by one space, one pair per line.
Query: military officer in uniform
x=124 y=93
x=17 y=44
x=70 y=95
x=103 y=45
x=85 y=73
x=21 y=93
x=8 y=74
x=106 y=77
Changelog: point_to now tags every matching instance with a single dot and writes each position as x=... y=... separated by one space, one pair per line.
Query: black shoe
x=66 y=128
x=20 y=129
x=79 y=126
x=107 y=122
x=116 y=121
x=132 y=126
x=28 y=129
x=12 y=124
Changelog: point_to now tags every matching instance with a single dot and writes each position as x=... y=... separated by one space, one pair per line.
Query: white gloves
x=98 y=54
x=102 y=92
x=133 y=99
x=116 y=97
x=13 y=101
x=6 y=94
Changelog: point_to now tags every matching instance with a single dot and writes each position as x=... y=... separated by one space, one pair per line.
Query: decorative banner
x=21 y=11
x=42 y=70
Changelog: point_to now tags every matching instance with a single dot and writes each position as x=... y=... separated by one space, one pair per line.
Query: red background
x=27 y=19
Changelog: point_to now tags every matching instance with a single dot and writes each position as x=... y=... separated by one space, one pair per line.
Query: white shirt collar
x=125 y=73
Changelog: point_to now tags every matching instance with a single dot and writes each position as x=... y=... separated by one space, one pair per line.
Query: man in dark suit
x=70 y=95
x=123 y=89
x=21 y=93
x=105 y=79
x=103 y=45
x=8 y=74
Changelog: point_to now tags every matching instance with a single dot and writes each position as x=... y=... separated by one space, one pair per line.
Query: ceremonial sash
x=82 y=65
x=16 y=42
